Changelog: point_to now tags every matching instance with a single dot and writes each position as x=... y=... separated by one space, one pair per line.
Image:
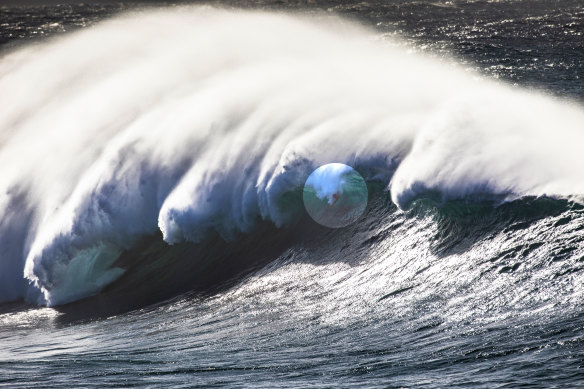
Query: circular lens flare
x=335 y=195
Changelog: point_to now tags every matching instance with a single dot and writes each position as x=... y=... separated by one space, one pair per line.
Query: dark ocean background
x=465 y=291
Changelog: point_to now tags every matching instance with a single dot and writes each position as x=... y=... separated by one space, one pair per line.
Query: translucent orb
x=335 y=195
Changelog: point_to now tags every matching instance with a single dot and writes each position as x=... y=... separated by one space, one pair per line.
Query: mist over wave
x=197 y=120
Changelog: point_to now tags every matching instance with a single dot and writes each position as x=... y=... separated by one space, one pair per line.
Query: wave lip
x=201 y=121
x=502 y=144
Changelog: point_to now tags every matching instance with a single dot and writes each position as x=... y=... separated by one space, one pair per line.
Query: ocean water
x=152 y=165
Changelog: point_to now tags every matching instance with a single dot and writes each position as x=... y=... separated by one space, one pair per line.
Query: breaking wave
x=195 y=122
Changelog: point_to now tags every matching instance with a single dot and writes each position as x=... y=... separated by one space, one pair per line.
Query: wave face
x=197 y=121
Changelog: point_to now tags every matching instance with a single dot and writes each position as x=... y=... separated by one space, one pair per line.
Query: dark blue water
x=472 y=292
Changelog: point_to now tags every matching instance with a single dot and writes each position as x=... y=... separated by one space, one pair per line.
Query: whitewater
x=198 y=121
